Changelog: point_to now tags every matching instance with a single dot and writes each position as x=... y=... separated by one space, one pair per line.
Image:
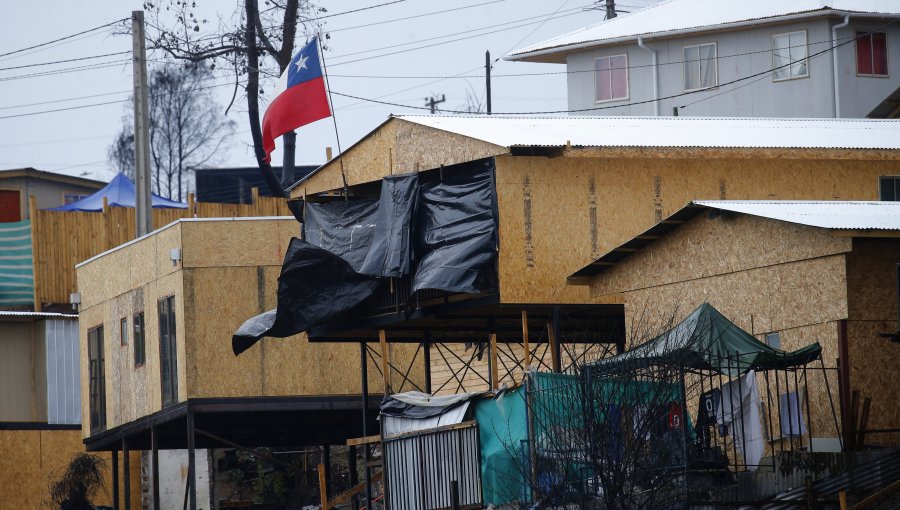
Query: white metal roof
x=825 y=214
x=672 y=17
x=37 y=315
x=670 y=131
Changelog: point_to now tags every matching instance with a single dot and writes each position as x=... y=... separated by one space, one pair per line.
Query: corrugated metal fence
x=420 y=467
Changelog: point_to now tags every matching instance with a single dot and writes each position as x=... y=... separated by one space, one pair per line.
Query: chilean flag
x=300 y=97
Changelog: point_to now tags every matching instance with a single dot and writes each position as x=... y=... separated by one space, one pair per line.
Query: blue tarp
x=119 y=193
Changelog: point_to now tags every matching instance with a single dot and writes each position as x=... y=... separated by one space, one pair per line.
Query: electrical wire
x=63 y=38
x=66 y=70
x=64 y=61
x=405 y=18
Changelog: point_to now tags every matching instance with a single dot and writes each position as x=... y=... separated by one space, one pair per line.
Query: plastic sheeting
x=457 y=231
x=418 y=405
x=344 y=228
x=390 y=251
x=315 y=286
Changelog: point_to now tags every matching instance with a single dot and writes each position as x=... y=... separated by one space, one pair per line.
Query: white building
x=765 y=58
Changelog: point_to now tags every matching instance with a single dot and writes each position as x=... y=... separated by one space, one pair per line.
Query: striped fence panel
x=16 y=272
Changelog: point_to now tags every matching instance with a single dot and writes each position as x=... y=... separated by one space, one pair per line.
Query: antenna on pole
x=432 y=102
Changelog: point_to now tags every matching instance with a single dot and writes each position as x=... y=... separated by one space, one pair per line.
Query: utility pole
x=287 y=167
x=432 y=102
x=610 y=9
x=143 y=210
x=487 y=75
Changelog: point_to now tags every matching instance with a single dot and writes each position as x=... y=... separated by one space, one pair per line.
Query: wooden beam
x=495 y=371
x=385 y=361
x=527 y=358
x=323 y=493
x=554 y=348
x=358 y=441
x=346 y=497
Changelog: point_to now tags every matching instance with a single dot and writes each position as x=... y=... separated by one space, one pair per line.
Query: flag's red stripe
x=297 y=106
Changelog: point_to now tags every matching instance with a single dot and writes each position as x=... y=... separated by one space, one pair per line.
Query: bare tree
x=248 y=43
x=187 y=129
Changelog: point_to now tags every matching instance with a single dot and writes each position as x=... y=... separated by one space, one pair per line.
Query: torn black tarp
x=315 y=286
x=390 y=251
x=345 y=228
x=456 y=231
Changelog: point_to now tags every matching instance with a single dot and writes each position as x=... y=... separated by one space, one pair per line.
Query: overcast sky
x=75 y=141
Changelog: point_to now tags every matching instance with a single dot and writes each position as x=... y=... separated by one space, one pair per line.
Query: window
x=871 y=54
x=700 y=68
x=139 y=353
x=773 y=340
x=889 y=188
x=123 y=331
x=68 y=198
x=611 y=78
x=97 y=379
x=789 y=54
x=167 y=351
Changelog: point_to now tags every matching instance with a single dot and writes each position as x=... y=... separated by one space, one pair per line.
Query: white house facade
x=726 y=58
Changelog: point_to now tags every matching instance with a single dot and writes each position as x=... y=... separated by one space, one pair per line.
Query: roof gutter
x=692 y=30
x=834 y=65
x=641 y=45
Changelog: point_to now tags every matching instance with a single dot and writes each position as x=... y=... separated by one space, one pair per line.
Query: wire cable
x=64 y=38
x=405 y=18
x=65 y=61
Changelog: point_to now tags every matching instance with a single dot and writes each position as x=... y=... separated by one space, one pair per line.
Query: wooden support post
x=192 y=205
x=525 y=344
x=495 y=370
x=323 y=489
x=385 y=361
x=426 y=356
x=554 y=347
x=115 y=480
x=126 y=473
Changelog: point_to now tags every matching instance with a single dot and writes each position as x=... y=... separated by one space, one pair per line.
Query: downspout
x=640 y=42
x=834 y=64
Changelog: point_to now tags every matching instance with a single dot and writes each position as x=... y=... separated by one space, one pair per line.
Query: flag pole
x=333 y=115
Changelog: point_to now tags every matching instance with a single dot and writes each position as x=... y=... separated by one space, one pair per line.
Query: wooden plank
x=527 y=346
x=385 y=361
x=554 y=348
x=323 y=488
x=495 y=370
x=345 y=497
x=358 y=441
x=872 y=500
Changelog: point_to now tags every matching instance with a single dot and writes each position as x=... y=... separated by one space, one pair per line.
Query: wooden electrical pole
x=432 y=102
x=487 y=75
x=143 y=211
x=610 y=9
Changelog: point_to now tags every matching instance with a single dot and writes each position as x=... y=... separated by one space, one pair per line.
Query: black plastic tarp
x=456 y=231
x=345 y=228
x=390 y=250
x=315 y=286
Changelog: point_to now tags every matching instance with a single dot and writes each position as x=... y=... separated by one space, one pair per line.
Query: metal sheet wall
x=420 y=467
x=63 y=378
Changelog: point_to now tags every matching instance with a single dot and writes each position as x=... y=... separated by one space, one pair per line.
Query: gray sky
x=75 y=141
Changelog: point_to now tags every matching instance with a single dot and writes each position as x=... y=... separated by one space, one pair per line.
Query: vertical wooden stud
x=495 y=371
x=525 y=343
x=385 y=361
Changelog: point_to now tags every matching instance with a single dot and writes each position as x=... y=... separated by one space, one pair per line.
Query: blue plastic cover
x=119 y=193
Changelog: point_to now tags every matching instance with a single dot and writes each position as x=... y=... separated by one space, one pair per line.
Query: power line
x=66 y=70
x=64 y=61
x=63 y=38
x=405 y=18
x=673 y=96
x=442 y=42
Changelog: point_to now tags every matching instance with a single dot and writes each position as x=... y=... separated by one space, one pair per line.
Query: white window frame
x=627 y=80
x=887 y=56
x=790 y=76
x=685 y=61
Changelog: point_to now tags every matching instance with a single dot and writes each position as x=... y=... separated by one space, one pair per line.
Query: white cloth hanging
x=792 y=423
x=743 y=421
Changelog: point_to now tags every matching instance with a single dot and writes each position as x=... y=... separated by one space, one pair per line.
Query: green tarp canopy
x=706 y=340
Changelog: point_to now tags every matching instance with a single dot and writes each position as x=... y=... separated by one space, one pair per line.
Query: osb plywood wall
x=30 y=460
x=792 y=281
x=559 y=214
x=398 y=147
x=871 y=280
x=60 y=240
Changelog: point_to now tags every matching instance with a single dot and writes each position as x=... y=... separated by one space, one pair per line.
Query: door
x=10 y=207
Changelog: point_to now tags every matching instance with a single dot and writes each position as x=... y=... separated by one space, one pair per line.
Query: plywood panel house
x=568 y=190
x=158 y=372
x=789 y=272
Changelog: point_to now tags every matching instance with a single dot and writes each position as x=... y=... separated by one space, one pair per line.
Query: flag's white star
x=301 y=63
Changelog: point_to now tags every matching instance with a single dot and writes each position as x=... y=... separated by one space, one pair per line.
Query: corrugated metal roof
x=37 y=315
x=824 y=214
x=834 y=215
x=722 y=132
x=697 y=15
